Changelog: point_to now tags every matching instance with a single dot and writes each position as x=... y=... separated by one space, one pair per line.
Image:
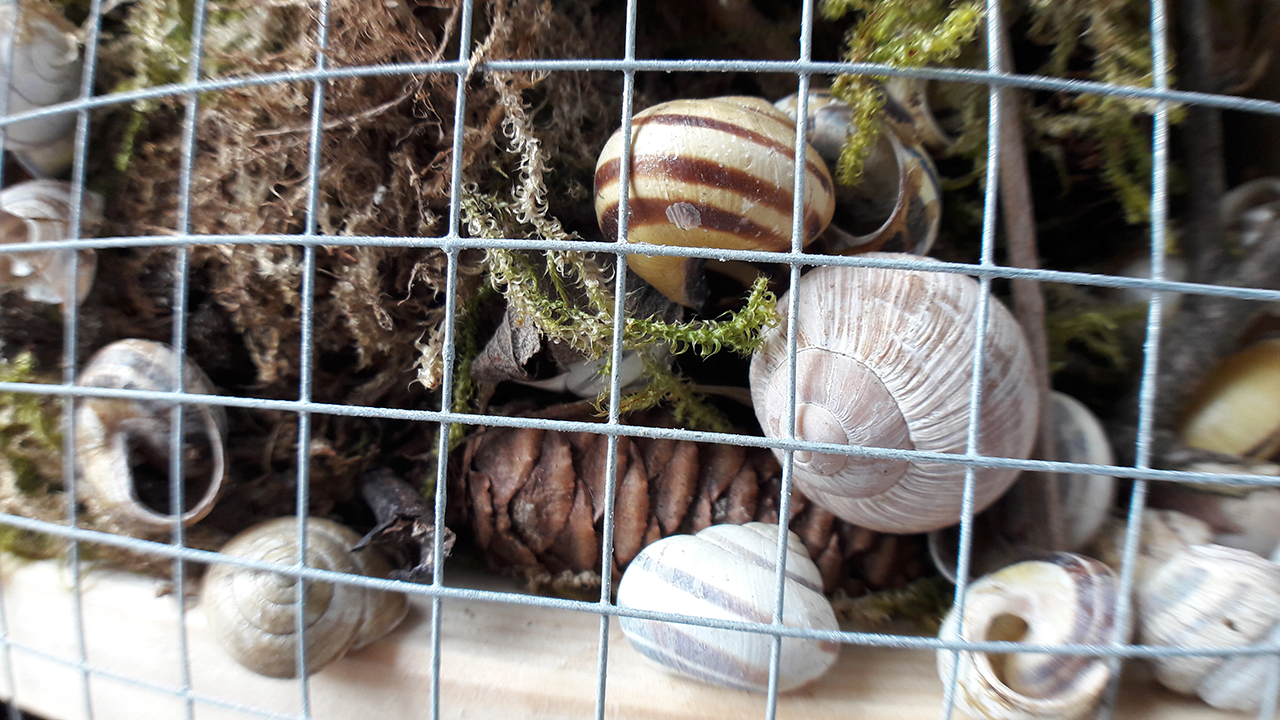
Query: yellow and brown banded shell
x=1212 y=596
x=1064 y=599
x=726 y=572
x=885 y=360
x=122 y=446
x=711 y=173
x=253 y=613
x=897 y=204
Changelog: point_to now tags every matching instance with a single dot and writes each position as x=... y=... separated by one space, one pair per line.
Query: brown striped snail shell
x=896 y=206
x=1212 y=596
x=122 y=446
x=885 y=359
x=40 y=211
x=253 y=612
x=1063 y=599
x=710 y=173
x=726 y=572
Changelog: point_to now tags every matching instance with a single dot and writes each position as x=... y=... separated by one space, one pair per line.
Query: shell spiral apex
x=885 y=360
x=727 y=572
x=253 y=612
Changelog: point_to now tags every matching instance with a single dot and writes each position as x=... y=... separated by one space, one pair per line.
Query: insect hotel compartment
x=459 y=358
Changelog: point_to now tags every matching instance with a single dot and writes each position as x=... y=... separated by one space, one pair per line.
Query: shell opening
x=1010 y=628
x=866 y=207
x=146 y=449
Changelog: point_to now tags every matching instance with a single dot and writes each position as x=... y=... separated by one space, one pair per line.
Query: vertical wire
x=306 y=319
x=70 y=339
x=448 y=353
x=615 y=360
x=10 y=677
x=990 y=199
x=181 y=276
x=1150 y=351
x=799 y=170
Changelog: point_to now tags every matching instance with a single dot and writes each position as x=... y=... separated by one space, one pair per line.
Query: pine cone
x=535 y=502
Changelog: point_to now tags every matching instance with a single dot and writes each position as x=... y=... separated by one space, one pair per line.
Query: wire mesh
x=455 y=241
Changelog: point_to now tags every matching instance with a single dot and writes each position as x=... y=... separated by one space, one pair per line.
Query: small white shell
x=253 y=612
x=122 y=446
x=885 y=359
x=1165 y=533
x=726 y=572
x=1212 y=596
x=1063 y=600
x=46 y=71
x=40 y=211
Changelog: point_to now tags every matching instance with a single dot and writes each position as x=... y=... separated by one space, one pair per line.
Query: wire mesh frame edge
x=993 y=78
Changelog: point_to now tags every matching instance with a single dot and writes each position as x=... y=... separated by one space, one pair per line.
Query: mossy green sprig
x=900 y=33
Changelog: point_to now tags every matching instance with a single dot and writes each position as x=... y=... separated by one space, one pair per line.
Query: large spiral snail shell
x=122 y=446
x=253 y=613
x=1212 y=596
x=1064 y=599
x=46 y=70
x=885 y=360
x=727 y=572
x=710 y=173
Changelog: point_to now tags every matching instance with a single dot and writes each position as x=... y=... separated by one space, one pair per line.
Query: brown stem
x=1028 y=301
x=406 y=525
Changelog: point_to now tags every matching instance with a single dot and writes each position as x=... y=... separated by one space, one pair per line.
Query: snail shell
x=253 y=612
x=1212 y=596
x=1063 y=599
x=40 y=211
x=1165 y=533
x=712 y=173
x=1237 y=410
x=122 y=446
x=727 y=572
x=897 y=205
x=46 y=70
x=912 y=95
x=885 y=359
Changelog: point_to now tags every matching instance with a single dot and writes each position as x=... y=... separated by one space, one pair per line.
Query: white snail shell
x=1164 y=533
x=1212 y=596
x=46 y=71
x=122 y=446
x=40 y=211
x=726 y=572
x=897 y=204
x=1064 y=599
x=253 y=612
x=710 y=173
x=885 y=359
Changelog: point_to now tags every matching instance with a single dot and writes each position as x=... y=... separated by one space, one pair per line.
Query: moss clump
x=900 y=33
x=30 y=460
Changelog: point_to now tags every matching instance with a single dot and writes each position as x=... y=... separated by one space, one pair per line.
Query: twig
x=1028 y=301
x=406 y=525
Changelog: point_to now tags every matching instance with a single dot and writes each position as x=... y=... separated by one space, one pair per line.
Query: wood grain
x=498 y=661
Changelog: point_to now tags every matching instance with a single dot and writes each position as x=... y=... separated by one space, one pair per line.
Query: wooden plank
x=498 y=660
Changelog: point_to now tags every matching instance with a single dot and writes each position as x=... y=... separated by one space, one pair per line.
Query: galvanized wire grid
x=453 y=242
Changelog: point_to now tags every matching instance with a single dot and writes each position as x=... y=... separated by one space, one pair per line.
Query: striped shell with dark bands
x=1064 y=599
x=727 y=572
x=714 y=173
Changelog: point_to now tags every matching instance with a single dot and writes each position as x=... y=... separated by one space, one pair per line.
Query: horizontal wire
x=756 y=256
x=977 y=77
x=905 y=642
x=641 y=431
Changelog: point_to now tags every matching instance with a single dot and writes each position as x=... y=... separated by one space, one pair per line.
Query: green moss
x=1096 y=330
x=923 y=603
x=900 y=33
x=30 y=439
x=27 y=544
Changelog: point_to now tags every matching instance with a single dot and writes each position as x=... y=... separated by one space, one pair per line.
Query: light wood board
x=498 y=661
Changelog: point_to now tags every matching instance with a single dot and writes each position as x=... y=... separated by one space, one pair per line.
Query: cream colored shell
x=46 y=71
x=1065 y=599
x=122 y=445
x=253 y=613
x=1212 y=596
x=709 y=173
x=727 y=572
x=40 y=211
x=884 y=360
